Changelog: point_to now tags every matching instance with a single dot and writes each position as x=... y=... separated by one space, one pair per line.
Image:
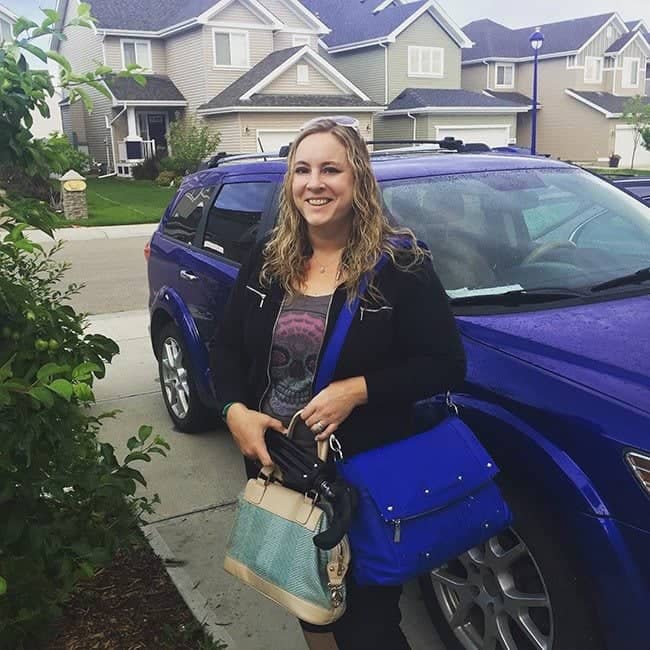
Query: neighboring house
x=588 y=69
x=41 y=126
x=249 y=69
x=407 y=56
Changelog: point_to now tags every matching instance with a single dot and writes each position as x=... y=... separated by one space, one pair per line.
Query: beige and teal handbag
x=271 y=549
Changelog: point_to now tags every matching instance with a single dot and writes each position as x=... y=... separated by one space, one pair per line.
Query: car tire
x=177 y=383
x=472 y=600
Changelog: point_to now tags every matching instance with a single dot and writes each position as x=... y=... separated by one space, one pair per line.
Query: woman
x=402 y=346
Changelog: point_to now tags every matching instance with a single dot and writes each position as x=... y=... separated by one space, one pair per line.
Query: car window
x=187 y=214
x=493 y=231
x=234 y=218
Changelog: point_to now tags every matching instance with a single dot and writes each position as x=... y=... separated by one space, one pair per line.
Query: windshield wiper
x=631 y=278
x=519 y=297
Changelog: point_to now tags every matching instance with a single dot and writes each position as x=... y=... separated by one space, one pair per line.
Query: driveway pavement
x=198 y=485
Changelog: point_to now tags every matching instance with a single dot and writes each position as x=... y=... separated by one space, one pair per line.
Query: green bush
x=147 y=170
x=190 y=142
x=167 y=178
x=65 y=156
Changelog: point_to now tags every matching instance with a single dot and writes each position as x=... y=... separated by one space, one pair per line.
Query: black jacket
x=407 y=348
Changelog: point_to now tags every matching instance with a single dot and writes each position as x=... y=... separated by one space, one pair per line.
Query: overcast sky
x=513 y=13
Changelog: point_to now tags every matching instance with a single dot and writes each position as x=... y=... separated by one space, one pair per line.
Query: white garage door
x=492 y=136
x=273 y=140
x=625 y=144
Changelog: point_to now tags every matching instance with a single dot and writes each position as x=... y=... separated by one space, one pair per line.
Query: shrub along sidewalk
x=116 y=201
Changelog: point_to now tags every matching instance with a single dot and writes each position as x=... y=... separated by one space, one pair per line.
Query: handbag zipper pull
x=397 y=534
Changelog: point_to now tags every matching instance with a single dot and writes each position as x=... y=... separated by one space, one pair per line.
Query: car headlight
x=640 y=465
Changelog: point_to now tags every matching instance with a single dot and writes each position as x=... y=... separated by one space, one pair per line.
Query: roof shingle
x=158 y=88
x=412 y=98
x=614 y=104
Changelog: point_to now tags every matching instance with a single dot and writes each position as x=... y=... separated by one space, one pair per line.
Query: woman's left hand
x=327 y=410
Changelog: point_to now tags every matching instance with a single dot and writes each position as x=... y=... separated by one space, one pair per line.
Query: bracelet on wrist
x=225 y=409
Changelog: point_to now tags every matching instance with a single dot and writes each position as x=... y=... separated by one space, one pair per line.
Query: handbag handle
x=322 y=445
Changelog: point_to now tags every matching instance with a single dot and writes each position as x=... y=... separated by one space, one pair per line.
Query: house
x=407 y=56
x=251 y=70
x=41 y=126
x=588 y=69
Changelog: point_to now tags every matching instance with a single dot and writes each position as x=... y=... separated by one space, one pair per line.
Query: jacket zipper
x=259 y=293
x=363 y=310
x=268 y=363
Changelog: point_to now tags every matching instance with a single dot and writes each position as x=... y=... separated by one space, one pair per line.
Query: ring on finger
x=319 y=427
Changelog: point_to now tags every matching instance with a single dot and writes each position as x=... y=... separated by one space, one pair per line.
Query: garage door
x=273 y=140
x=625 y=144
x=493 y=136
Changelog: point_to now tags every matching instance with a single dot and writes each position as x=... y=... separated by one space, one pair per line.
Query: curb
x=83 y=233
x=194 y=599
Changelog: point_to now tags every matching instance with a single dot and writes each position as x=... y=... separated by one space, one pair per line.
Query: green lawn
x=116 y=201
x=618 y=171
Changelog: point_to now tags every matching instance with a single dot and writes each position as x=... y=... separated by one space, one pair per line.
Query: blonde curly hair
x=288 y=250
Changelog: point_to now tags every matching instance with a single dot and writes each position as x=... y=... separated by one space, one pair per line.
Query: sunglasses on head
x=340 y=120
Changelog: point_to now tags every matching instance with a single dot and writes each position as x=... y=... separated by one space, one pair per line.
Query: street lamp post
x=536 y=41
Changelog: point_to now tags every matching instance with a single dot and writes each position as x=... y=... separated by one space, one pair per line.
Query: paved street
x=199 y=482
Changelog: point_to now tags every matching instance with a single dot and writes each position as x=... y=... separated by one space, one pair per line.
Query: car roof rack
x=223 y=158
x=448 y=144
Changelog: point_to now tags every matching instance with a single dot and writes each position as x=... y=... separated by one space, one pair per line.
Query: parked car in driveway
x=548 y=271
x=638 y=186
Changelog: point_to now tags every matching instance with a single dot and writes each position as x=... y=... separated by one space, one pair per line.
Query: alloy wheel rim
x=175 y=378
x=494 y=597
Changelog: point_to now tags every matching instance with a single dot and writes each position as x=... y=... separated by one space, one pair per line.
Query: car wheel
x=177 y=383
x=515 y=592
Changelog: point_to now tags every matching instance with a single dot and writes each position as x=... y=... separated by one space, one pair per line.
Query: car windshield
x=504 y=231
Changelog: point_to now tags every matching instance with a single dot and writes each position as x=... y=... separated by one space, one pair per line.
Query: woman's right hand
x=248 y=427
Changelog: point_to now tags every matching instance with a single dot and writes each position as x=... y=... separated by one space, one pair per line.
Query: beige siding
x=218 y=79
x=236 y=13
x=475 y=76
x=399 y=127
x=632 y=51
x=184 y=67
x=286 y=83
x=365 y=68
x=229 y=129
x=113 y=54
x=566 y=128
x=290 y=18
x=84 y=50
x=427 y=32
x=283 y=40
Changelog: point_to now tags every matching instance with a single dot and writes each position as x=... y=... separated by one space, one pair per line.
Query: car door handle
x=186 y=275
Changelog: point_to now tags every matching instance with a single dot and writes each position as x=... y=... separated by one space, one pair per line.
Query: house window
x=425 y=61
x=609 y=32
x=631 y=69
x=136 y=53
x=505 y=75
x=571 y=61
x=234 y=218
x=231 y=49
x=610 y=62
x=301 y=39
x=303 y=74
x=593 y=69
x=5 y=31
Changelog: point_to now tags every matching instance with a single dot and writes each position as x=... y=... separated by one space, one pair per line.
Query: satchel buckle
x=451 y=405
x=336 y=448
x=336 y=594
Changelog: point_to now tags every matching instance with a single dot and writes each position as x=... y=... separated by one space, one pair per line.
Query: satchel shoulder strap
x=335 y=344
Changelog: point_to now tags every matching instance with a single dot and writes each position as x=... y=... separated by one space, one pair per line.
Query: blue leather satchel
x=423 y=500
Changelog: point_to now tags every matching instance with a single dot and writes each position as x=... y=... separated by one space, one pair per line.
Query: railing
x=132 y=150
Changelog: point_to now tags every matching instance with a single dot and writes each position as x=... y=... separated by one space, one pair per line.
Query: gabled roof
x=159 y=88
x=493 y=40
x=611 y=106
x=355 y=23
x=244 y=93
x=620 y=44
x=633 y=25
x=157 y=17
x=429 y=100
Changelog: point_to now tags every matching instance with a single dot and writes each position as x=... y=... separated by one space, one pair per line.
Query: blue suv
x=547 y=268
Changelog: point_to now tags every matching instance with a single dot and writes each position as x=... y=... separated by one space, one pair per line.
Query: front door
x=157 y=128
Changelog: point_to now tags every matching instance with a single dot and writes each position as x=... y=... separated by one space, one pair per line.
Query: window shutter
x=303 y=74
x=437 y=65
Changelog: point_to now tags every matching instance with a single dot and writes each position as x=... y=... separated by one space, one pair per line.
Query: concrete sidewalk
x=83 y=233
